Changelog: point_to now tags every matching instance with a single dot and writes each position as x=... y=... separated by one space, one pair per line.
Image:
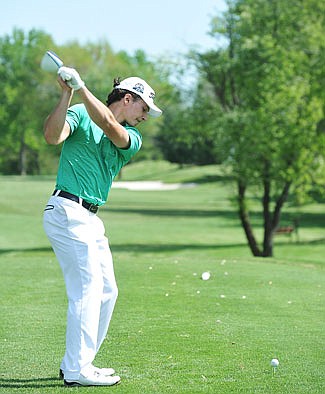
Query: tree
x=22 y=101
x=189 y=132
x=29 y=94
x=188 y=135
x=268 y=81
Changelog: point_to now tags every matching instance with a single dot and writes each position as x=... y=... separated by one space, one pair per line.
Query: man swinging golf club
x=98 y=141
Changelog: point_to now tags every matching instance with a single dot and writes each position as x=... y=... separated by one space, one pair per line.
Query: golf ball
x=274 y=362
x=205 y=275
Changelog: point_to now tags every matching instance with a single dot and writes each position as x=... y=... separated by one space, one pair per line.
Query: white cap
x=142 y=89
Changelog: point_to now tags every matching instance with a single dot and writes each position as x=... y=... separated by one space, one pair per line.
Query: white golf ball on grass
x=205 y=276
x=275 y=362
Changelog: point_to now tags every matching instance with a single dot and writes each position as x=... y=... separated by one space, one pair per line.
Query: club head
x=51 y=62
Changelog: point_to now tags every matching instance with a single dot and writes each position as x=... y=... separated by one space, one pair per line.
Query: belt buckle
x=93 y=208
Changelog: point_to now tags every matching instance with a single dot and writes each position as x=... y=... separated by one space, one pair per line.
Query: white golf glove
x=71 y=77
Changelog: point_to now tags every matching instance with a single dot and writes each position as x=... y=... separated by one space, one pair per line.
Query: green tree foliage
x=23 y=100
x=29 y=94
x=189 y=134
x=269 y=82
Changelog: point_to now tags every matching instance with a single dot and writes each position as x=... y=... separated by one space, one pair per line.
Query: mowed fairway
x=171 y=331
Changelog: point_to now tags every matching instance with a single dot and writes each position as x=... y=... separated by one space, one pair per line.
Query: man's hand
x=71 y=77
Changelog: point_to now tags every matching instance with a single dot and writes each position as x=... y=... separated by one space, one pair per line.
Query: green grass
x=171 y=332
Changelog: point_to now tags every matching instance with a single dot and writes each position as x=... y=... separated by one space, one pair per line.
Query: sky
x=158 y=27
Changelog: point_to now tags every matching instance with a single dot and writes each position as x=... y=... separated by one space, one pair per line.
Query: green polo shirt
x=89 y=161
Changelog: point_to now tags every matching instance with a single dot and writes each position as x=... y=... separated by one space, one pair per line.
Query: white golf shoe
x=103 y=371
x=94 y=378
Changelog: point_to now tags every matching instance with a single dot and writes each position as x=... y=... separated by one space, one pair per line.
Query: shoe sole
x=71 y=384
x=76 y=384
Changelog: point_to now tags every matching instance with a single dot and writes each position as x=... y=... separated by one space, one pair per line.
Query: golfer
x=98 y=140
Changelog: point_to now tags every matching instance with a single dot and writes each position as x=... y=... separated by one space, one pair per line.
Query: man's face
x=136 y=111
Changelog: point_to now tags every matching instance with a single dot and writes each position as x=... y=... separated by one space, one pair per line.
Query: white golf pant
x=78 y=240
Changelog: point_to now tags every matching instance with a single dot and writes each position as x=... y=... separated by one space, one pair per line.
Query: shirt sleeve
x=73 y=117
x=135 y=143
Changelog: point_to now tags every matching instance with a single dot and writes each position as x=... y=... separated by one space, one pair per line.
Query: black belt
x=91 y=207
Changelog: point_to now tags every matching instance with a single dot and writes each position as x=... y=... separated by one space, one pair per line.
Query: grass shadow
x=211 y=179
x=173 y=212
x=318 y=241
x=160 y=248
x=146 y=248
x=32 y=383
x=26 y=250
x=303 y=219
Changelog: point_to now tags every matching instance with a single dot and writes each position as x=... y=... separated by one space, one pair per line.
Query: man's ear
x=127 y=98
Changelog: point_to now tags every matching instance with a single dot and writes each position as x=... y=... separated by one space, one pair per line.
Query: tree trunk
x=268 y=234
x=278 y=206
x=244 y=217
x=271 y=221
x=23 y=158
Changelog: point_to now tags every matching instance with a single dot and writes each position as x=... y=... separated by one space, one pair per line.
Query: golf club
x=51 y=62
